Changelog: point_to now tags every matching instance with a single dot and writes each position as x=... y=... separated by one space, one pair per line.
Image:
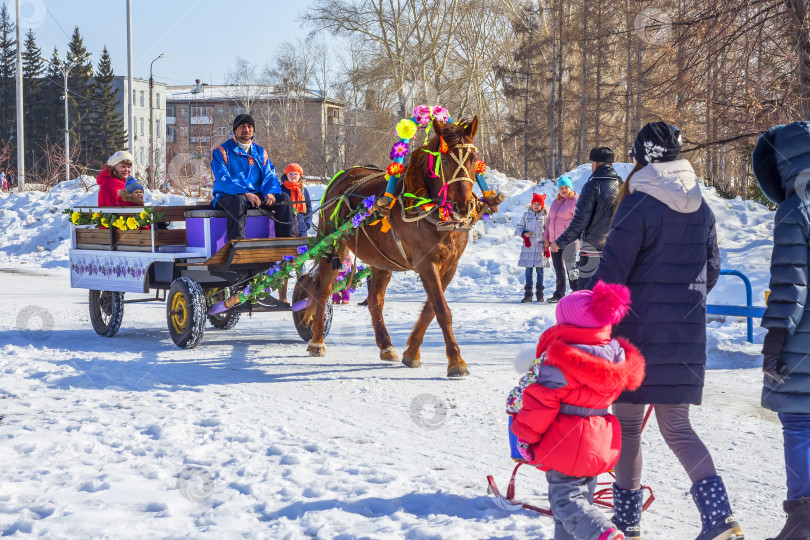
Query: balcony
x=199 y=120
x=200 y=139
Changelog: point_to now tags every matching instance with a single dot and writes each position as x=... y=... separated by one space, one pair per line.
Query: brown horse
x=410 y=244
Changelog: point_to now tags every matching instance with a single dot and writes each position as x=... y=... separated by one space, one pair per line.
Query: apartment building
x=140 y=110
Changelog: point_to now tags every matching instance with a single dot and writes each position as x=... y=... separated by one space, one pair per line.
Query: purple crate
x=255 y=227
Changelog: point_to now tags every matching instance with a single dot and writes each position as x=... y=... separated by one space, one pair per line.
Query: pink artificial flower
x=399 y=150
x=422 y=114
x=440 y=114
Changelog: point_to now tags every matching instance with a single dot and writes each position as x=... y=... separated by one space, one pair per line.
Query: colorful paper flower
x=399 y=150
x=288 y=257
x=120 y=223
x=440 y=114
x=95 y=215
x=132 y=223
x=74 y=217
x=406 y=129
x=486 y=217
x=144 y=215
x=443 y=146
x=395 y=169
x=368 y=202
x=422 y=114
x=480 y=166
x=302 y=249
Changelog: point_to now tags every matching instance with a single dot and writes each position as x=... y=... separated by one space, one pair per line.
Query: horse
x=425 y=244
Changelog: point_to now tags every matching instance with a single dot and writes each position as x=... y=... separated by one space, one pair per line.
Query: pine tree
x=35 y=111
x=8 y=72
x=53 y=122
x=80 y=94
x=109 y=135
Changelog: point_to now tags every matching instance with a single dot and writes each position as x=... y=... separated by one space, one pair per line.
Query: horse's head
x=452 y=145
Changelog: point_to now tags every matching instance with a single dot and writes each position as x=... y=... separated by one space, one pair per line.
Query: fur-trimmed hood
x=595 y=372
x=673 y=183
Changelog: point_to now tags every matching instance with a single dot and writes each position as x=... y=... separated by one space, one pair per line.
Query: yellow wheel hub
x=179 y=312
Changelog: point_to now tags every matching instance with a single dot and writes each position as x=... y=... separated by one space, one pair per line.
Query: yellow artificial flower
x=406 y=129
x=74 y=217
x=95 y=215
x=120 y=223
x=105 y=223
x=132 y=223
x=144 y=215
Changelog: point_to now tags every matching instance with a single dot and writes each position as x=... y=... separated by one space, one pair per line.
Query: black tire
x=186 y=312
x=106 y=311
x=305 y=330
x=223 y=321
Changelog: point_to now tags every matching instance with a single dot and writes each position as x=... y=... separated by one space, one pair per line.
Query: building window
x=237 y=110
x=141 y=126
x=158 y=100
x=220 y=111
x=134 y=97
x=169 y=133
x=142 y=98
x=157 y=128
x=222 y=131
x=170 y=110
x=183 y=112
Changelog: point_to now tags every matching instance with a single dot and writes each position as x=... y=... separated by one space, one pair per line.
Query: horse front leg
x=456 y=366
x=411 y=357
x=320 y=296
x=376 y=298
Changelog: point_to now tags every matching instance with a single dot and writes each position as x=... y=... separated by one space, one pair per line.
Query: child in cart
x=560 y=408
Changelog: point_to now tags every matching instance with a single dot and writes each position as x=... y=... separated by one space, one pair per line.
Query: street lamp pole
x=65 y=68
x=152 y=175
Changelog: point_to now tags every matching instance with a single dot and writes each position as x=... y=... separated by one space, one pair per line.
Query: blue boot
x=627 y=506
x=715 y=511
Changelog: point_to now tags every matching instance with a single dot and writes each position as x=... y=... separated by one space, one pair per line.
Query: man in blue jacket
x=244 y=177
x=592 y=215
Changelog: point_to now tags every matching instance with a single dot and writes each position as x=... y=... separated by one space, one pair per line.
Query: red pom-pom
x=609 y=302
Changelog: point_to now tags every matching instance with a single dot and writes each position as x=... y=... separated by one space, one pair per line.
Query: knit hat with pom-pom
x=605 y=305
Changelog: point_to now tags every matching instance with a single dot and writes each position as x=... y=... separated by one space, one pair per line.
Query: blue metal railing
x=749 y=311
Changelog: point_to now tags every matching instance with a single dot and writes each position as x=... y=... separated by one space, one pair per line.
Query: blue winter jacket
x=304 y=220
x=788 y=307
x=236 y=171
x=662 y=245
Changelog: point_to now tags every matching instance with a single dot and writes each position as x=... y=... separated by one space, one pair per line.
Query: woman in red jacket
x=112 y=181
x=562 y=422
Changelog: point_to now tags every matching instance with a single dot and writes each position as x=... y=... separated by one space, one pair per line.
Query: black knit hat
x=243 y=119
x=601 y=154
x=657 y=142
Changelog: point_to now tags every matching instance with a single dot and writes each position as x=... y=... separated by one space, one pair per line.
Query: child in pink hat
x=561 y=405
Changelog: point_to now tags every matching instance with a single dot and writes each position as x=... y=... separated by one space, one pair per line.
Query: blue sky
x=200 y=38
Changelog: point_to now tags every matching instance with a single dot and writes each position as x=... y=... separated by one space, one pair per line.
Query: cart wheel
x=305 y=330
x=185 y=312
x=106 y=311
x=223 y=321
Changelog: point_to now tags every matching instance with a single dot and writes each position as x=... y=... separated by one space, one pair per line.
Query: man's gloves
x=772 y=364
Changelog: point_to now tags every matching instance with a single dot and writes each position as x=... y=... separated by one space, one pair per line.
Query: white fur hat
x=118 y=157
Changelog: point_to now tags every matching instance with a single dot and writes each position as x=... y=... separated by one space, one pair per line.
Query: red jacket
x=108 y=189
x=572 y=444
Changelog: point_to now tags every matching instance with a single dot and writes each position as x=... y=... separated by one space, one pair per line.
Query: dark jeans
x=563 y=262
x=236 y=207
x=587 y=267
x=796 y=433
x=529 y=276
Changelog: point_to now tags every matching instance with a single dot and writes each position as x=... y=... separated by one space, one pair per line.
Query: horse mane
x=414 y=175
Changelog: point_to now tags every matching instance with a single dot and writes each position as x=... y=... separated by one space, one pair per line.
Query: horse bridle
x=460 y=156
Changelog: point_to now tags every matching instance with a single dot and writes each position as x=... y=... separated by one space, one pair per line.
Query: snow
x=246 y=435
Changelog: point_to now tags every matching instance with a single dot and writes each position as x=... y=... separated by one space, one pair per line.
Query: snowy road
x=248 y=436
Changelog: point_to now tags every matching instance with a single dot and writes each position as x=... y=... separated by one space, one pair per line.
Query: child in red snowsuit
x=561 y=405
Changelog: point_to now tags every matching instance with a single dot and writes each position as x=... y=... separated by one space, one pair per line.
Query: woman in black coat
x=662 y=245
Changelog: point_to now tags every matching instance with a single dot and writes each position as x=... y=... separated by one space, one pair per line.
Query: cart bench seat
x=255 y=251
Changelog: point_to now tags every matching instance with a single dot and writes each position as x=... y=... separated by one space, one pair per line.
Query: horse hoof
x=457 y=371
x=316 y=349
x=411 y=361
x=390 y=354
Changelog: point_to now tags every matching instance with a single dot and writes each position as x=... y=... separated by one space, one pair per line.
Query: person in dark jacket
x=292 y=183
x=781 y=162
x=663 y=246
x=593 y=213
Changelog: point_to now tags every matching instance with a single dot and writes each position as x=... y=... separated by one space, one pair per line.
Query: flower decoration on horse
x=425 y=116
